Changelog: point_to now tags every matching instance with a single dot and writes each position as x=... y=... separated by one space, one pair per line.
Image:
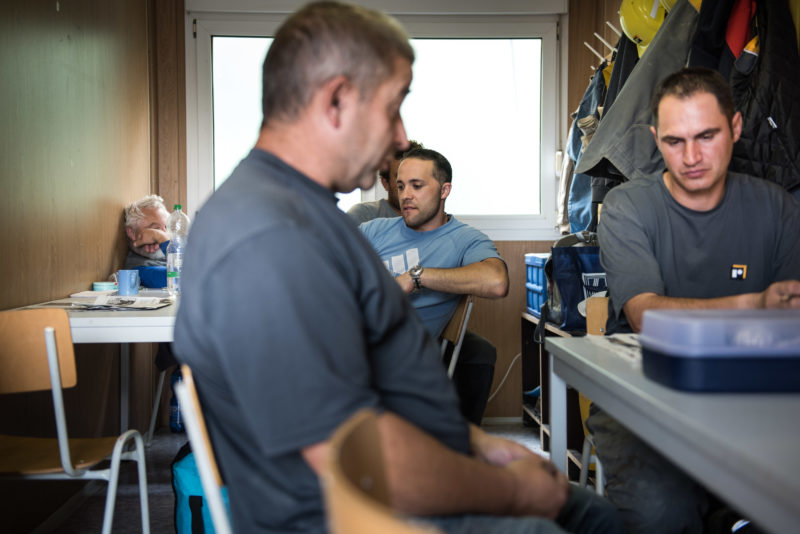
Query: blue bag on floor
x=192 y=515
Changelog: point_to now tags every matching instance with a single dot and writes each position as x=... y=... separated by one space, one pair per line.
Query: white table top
x=744 y=447
x=134 y=326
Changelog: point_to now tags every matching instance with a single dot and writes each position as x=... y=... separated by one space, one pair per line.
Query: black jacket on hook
x=769 y=99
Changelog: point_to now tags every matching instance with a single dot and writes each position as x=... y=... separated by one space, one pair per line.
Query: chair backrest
x=36 y=354
x=23 y=352
x=201 y=447
x=596 y=315
x=455 y=329
x=354 y=484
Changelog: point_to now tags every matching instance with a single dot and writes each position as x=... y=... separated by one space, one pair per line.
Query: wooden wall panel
x=74 y=149
x=585 y=18
x=499 y=322
x=168 y=86
x=75 y=130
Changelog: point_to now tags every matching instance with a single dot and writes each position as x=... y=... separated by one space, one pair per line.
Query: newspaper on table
x=624 y=345
x=120 y=303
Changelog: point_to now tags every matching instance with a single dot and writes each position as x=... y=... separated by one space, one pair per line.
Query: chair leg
x=148 y=438
x=586 y=458
x=599 y=477
x=137 y=455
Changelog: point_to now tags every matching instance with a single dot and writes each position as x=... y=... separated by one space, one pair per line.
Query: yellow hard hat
x=667 y=4
x=640 y=19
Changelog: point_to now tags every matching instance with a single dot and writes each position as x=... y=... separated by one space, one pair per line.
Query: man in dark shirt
x=693 y=237
x=293 y=324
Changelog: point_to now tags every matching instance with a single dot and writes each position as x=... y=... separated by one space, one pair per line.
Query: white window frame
x=423 y=18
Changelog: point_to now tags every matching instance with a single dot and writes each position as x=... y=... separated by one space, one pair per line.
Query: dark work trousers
x=473 y=375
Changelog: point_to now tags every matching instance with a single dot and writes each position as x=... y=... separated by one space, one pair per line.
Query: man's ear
x=333 y=98
x=736 y=126
x=130 y=233
x=446 y=190
x=655 y=134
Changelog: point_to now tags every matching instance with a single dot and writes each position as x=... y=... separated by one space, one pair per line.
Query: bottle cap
x=177 y=207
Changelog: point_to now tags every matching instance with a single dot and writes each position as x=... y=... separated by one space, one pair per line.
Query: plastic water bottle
x=178 y=228
x=175 y=419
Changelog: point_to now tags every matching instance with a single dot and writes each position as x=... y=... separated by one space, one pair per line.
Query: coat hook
x=619 y=34
x=595 y=52
x=605 y=42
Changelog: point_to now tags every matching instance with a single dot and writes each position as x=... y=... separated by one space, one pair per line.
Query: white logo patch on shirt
x=738 y=272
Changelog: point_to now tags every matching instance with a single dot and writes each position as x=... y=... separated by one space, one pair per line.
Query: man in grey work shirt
x=694 y=236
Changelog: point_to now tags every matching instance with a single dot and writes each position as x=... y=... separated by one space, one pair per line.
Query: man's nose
x=692 y=153
x=400 y=137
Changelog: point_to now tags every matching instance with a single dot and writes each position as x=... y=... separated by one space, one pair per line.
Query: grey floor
x=87 y=513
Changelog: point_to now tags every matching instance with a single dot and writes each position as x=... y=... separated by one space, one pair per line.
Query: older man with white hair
x=146 y=230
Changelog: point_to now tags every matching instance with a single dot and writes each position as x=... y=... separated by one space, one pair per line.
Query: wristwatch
x=415 y=272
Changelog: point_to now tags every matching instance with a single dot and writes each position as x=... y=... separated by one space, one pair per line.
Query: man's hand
x=150 y=239
x=406 y=283
x=783 y=295
x=494 y=450
x=541 y=489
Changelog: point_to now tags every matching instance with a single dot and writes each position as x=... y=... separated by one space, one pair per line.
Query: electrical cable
x=503 y=381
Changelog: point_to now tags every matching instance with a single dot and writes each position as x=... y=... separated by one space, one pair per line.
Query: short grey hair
x=134 y=212
x=323 y=40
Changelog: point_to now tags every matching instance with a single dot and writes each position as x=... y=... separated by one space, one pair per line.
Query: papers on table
x=143 y=292
x=624 y=345
x=119 y=303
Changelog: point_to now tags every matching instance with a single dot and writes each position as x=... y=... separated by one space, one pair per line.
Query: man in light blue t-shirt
x=436 y=259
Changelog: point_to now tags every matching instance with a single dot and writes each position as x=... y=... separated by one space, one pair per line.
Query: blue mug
x=128 y=282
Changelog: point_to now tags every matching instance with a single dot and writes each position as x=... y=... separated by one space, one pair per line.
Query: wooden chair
x=454 y=331
x=36 y=354
x=354 y=485
x=203 y=453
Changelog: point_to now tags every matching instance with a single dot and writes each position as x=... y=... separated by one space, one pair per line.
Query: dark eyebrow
x=708 y=131
x=712 y=131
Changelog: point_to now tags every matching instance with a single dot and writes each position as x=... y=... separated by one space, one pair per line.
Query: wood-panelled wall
x=585 y=18
x=75 y=121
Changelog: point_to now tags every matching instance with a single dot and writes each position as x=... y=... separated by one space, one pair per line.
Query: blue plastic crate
x=535 y=281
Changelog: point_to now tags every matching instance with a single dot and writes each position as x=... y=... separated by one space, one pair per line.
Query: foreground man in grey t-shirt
x=293 y=324
x=694 y=236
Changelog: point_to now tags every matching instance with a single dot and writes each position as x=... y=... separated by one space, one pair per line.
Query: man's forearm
x=427 y=478
x=487 y=278
x=634 y=309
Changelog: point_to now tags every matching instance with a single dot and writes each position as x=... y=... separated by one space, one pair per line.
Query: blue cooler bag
x=573 y=274
x=192 y=515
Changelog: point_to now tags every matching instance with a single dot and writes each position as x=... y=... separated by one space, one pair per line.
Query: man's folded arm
x=426 y=478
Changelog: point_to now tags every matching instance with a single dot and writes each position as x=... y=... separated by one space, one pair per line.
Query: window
x=485 y=94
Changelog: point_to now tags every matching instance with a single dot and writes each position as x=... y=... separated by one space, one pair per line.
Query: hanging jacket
x=769 y=99
x=623 y=145
x=579 y=205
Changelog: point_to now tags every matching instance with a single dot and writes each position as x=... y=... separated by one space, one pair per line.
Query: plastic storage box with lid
x=535 y=281
x=722 y=350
